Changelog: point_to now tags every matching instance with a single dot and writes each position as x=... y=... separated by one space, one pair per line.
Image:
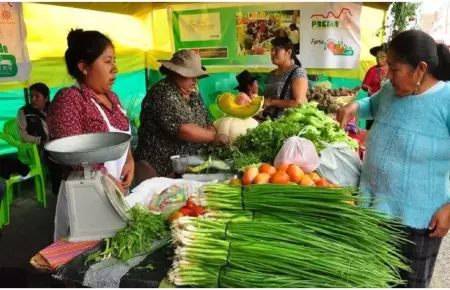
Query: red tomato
x=185 y=211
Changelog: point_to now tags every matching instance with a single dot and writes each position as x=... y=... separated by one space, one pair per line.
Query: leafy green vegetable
x=136 y=238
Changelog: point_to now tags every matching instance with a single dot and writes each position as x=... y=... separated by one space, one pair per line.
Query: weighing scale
x=96 y=206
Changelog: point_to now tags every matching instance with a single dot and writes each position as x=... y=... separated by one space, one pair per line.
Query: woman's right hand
x=347 y=113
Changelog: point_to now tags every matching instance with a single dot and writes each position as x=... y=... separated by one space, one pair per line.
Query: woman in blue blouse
x=407 y=163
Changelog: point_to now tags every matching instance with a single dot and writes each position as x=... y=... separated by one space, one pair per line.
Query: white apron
x=114 y=168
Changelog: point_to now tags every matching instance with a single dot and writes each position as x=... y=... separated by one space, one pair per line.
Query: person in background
x=248 y=87
x=173 y=118
x=376 y=75
x=32 y=118
x=405 y=174
x=294 y=36
x=90 y=106
x=286 y=86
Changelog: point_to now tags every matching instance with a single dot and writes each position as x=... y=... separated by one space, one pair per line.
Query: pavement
x=31 y=230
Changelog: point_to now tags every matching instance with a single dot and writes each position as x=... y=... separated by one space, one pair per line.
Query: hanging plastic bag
x=298 y=151
x=340 y=164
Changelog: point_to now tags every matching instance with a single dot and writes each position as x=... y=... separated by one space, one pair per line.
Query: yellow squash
x=228 y=105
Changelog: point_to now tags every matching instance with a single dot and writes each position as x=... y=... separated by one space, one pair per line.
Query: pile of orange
x=283 y=174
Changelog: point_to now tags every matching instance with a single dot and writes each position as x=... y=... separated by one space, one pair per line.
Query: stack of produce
x=262 y=143
x=238 y=118
x=330 y=101
x=284 y=174
x=287 y=237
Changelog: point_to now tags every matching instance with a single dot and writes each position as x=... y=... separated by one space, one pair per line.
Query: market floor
x=31 y=229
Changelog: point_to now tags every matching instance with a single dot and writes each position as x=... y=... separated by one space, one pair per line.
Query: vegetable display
x=287 y=237
x=262 y=143
x=136 y=238
x=227 y=103
x=283 y=174
x=330 y=101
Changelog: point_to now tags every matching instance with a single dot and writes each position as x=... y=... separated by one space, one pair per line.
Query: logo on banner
x=8 y=63
x=331 y=20
x=337 y=48
x=6 y=15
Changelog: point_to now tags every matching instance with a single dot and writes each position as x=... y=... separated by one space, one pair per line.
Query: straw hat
x=186 y=63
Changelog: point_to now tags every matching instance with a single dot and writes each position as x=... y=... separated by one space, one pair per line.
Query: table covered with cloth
x=146 y=271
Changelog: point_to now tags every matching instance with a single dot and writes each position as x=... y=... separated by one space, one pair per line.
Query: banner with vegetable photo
x=325 y=35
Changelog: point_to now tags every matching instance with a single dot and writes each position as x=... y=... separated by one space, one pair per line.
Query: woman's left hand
x=440 y=223
x=127 y=174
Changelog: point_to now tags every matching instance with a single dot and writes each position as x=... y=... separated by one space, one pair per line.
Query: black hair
x=286 y=43
x=41 y=88
x=293 y=26
x=415 y=46
x=165 y=71
x=85 y=46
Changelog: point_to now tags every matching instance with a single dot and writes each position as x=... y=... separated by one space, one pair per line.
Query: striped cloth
x=61 y=252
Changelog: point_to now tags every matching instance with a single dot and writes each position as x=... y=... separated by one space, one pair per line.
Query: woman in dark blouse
x=173 y=118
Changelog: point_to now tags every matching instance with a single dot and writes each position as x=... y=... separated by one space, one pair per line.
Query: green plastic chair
x=29 y=155
x=10 y=128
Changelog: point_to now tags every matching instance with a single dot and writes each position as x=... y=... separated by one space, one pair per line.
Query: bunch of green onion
x=287 y=236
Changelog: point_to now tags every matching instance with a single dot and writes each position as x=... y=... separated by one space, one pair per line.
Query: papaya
x=227 y=104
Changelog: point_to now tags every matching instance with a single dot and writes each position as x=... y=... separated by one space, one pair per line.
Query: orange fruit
x=307 y=181
x=249 y=175
x=282 y=167
x=322 y=183
x=280 y=177
x=295 y=173
x=314 y=176
x=267 y=168
x=174 y=216
x=262 y=178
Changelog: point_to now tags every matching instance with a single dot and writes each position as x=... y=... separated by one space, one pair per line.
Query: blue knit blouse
x=407 y=163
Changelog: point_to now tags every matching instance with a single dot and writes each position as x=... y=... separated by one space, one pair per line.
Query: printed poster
x=14 y=59
x=325 y=35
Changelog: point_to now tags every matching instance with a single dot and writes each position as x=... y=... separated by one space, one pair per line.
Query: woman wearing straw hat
x=173 y=118
x=248 y=87
x=376 y=75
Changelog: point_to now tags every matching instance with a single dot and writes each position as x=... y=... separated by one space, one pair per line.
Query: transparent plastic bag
x=340 y=164
x=298 y=151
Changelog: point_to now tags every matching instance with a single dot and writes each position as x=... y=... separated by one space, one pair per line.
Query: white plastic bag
x=145 y=192
x=298 y=151
x=340 y=164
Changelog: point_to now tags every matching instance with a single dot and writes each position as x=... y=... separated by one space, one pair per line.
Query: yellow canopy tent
x=141 y=34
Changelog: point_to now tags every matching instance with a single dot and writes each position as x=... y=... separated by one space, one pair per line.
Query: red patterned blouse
x=72 y=112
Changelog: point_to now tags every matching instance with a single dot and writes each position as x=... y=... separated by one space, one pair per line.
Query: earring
x=85 y=72
x=417 y=88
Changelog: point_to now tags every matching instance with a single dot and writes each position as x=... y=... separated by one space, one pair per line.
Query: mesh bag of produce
x=298 y=151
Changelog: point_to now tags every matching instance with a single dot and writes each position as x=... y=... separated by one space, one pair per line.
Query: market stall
x=290 y=181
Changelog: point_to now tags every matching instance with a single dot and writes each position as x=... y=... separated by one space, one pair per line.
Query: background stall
x=143 y=33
